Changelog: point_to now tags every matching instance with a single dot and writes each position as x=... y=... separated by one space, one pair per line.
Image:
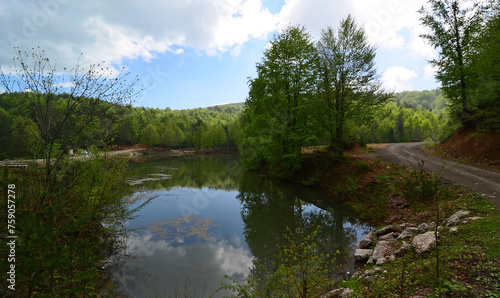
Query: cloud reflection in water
x=198 y=263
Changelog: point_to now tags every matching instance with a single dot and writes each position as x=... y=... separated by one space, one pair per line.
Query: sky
x=199 y=53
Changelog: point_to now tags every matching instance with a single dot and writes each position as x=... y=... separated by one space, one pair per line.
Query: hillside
x=481 y=147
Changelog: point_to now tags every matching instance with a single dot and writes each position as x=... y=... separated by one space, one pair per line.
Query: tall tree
x=455 y=26
x=35 y=84
x=349 y=88
x=277 y=110
x=486 y=74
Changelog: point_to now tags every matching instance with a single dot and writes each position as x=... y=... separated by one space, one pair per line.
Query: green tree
x=276 y=122
x=35 y=85
x=25 y=137
x=486 y=75
x=172 y=135
x=149 y=135
x=350 y=90
x=454 y=26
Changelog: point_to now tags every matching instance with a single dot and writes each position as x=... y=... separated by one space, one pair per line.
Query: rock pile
x=381 y=246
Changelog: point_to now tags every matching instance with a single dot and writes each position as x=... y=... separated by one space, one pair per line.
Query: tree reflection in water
x=269 y=207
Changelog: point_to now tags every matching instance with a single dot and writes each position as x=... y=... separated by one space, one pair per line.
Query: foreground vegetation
x=65 y=232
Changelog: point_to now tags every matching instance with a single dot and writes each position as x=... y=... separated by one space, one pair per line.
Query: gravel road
x=485 y=182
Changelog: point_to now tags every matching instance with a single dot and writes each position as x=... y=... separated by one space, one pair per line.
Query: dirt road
x=486 y=183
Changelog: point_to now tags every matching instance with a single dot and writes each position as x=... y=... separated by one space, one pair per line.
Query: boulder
x=362 y=254
x=403 y=249
x=385 y=230
x=408 y=232
x=453 y=229
x=382 y=261
x=455 y=218
x=380 y=251
x=424 y=242
x=469 y=219
x=423 y=227
x=388 y=237
x=402 y=227
x=369 y=240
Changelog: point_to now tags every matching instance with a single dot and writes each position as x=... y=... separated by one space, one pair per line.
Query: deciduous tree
x=350 y=90
x=34 y=84
x=455 y=26
x=277 y=111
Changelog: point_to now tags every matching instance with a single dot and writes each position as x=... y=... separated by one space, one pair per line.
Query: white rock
x=362 y=254
x=424 y=242
x=403 y=249
x=469 y=219
x=388 y=237
x=368 y=240
x=423 y=227
x=385 y=230
x=408 y=232
x=380 y=250
x=455 y=218
x=381 y=261
x=340 y=292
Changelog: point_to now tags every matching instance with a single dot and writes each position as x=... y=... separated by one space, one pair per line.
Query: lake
x=210 y=218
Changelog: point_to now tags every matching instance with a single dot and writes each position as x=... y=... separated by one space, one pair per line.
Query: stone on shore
x=408 y=232
x=403 y=249
x=380 y=251
x=385 y=230
x=362 y=254
x=424 y=242
x=369 y=240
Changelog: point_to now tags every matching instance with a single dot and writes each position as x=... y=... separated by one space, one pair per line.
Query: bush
x=64 y=231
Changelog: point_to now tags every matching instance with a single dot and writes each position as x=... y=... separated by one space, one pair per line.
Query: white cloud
x=398 y=78
x=115 y=30
x=430 y=71
x=390 y=24
x=418 y=46
x=313 y=14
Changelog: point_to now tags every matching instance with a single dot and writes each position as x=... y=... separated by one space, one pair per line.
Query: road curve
x=485 y=182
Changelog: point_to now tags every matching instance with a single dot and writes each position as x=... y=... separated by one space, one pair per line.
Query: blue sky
x=198 y=53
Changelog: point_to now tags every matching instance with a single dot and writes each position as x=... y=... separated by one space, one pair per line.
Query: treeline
x=122 y=125
x=195 y=128
x=412 y=116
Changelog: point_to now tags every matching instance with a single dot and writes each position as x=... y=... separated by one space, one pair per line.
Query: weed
x=361 y=165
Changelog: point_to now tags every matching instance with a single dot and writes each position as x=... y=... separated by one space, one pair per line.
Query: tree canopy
x=466 y=35
x=305 y=92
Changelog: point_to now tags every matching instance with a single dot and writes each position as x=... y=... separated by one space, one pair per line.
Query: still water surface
x=210 y=218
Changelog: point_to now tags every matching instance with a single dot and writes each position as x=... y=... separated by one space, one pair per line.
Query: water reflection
x=170 y=265
x=210 y=219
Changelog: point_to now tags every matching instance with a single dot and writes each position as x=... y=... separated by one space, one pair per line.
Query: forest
x=410 y=116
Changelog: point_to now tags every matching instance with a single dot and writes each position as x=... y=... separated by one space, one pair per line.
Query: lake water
x=210 y=218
